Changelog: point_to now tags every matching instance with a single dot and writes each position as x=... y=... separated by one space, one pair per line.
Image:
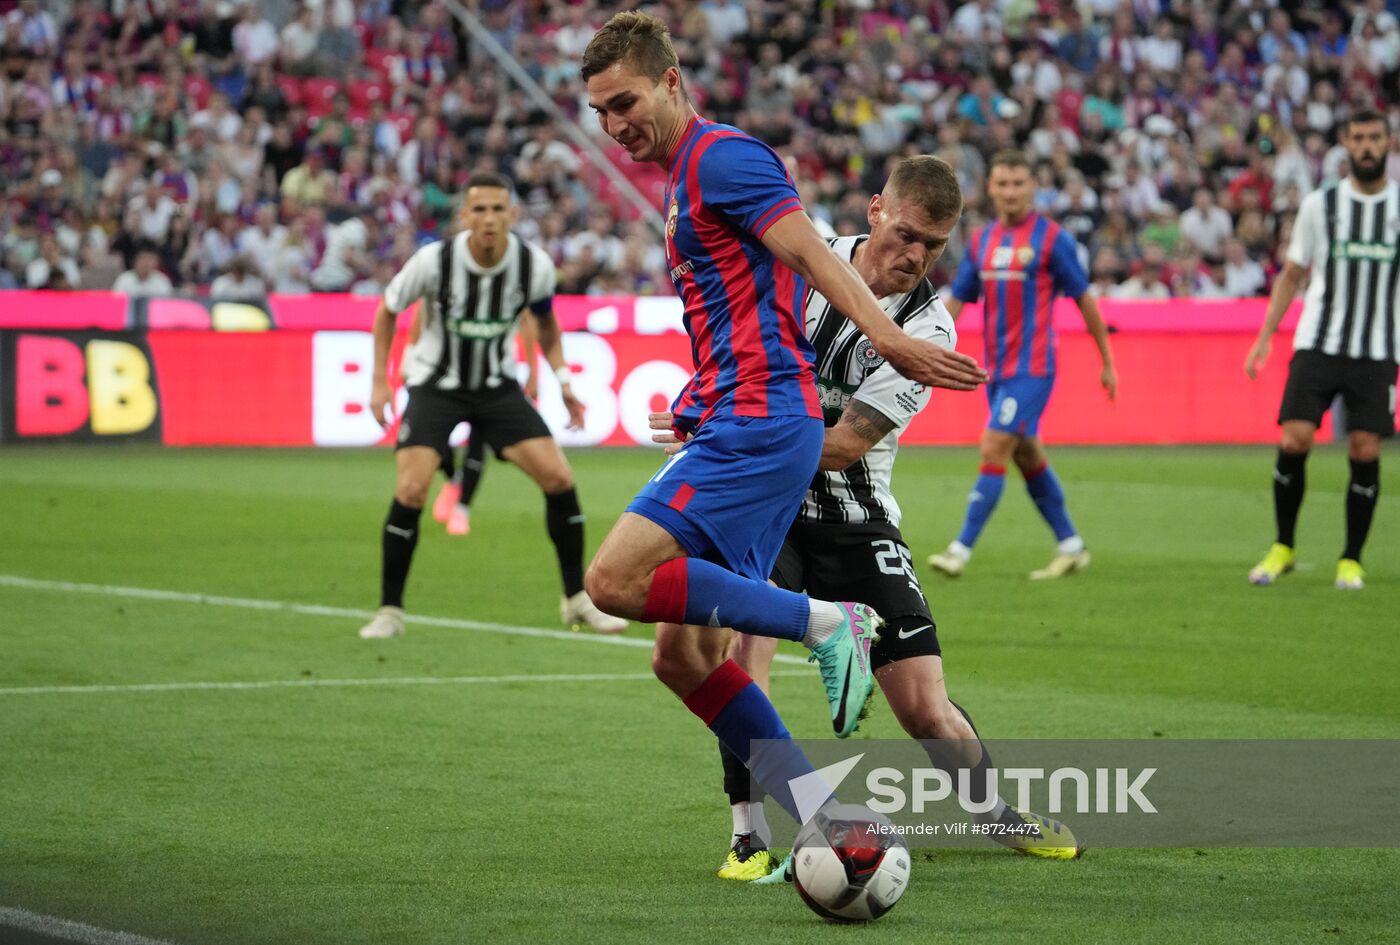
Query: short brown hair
x=1009 y=157
x=489 y=179
x=930 y=183
x=639 y=39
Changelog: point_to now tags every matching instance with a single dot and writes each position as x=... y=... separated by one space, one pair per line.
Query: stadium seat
x=317 y=93
x=380 y=61
x=366 y=92
x=291 y=89
x=197 y=89
x=403 y=121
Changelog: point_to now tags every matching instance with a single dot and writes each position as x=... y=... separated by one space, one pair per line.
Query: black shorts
x=500 y=417
x=1367 y=388
x=870 y=564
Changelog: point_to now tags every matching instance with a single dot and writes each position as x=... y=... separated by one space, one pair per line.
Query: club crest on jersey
x=866 y=355
x=672 y=217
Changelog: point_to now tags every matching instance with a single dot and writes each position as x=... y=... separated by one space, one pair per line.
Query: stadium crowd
x=240 y=148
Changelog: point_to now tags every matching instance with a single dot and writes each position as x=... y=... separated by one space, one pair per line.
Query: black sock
x=400 y=537
x=737 y=783
x=1362 y=493
x=979 y=775
x=473 y=463
x=1290 y=479
x=564 y=520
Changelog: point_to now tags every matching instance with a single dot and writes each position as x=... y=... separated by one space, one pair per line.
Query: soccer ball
x=849 y=864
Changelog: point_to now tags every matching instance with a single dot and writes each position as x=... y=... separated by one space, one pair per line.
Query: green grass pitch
x=589 y=809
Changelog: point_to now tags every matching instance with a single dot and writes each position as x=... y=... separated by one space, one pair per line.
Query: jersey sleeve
x=894 y=395
x=747 y=182
x=1070 y=278
x=543 y=281
x=967 y=284
x=417 y=278
x=1309 y=231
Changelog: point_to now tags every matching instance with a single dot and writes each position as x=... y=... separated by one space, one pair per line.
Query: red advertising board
x=296 y=373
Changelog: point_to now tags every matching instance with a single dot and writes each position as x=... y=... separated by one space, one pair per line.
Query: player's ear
x=872 y=212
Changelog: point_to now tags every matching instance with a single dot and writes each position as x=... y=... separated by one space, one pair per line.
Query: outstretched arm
x=1093 y=321
x=797 y=244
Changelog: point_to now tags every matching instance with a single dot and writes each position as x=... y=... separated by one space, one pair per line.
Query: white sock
x=761 y=831
x=743 y=821
x=959 y=550
x=823 y=619
x=1072 y=545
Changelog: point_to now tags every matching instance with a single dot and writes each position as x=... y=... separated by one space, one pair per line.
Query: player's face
x=904 y=241
x=488 y=212
x=639 y=114
x=1011 y=191
x=1367 y=144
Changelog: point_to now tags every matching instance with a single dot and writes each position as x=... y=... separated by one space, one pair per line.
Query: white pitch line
x=320 y=610
x=67 y=930
x=334 y=683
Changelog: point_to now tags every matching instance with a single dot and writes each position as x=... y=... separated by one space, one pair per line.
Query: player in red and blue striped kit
x=693 y=551
x=1018 y=264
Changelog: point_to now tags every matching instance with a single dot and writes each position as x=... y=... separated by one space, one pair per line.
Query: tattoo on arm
x=866 y=422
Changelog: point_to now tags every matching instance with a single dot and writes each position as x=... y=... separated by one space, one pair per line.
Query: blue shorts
x=1018 y=402
x=731 y=493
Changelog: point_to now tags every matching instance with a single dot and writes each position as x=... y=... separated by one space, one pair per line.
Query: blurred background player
x=452 y=507
x=846 y=540
x=698 y=542
x=1347 y=235
x=473 y=288
x=1029 y=260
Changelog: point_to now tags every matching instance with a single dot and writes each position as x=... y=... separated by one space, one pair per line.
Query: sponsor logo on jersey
x=1363 y=251
x=681 y=270
x=488 y=329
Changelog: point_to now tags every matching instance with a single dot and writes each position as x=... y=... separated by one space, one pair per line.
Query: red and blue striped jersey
x=743 y=308
x=1025 y=267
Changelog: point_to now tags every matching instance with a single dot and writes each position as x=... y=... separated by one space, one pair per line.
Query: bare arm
x=529 y=349
x=797 y=244
x=548 y=335
x=1285 y=290
x=861 y=426
x=954 y=306
x=1093 y=321
x=384 y=321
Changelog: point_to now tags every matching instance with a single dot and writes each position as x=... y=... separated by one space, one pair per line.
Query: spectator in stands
x=1148 y=282
x=49 y=263
x=262 y=241
x=1243 y=276
x=347 y=255
x=254 y=38
x=238 y=283
x=1206 y=226
x=143 y=278
x=310 y=183
x=299 y=41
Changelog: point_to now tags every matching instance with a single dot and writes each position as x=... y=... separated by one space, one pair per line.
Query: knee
x=556 y=481
x=1296 y=442
x=412 y=492
x=607 y=588
x=1364 y=449
x=930 y=720
x=675 y=669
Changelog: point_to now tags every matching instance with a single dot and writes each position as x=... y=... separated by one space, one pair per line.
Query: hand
x=927 y=363
x=1258 y=355
x=532 y=386
x=1108 y=379
x=663 y=422
x=574 y=406
x=379 y=399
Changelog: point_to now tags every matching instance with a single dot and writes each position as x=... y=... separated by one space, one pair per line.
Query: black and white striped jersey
x=848 y=368
x=1349 y=241
x=470 y=317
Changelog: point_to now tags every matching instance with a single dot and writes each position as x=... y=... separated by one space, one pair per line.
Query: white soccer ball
x=849 y=864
